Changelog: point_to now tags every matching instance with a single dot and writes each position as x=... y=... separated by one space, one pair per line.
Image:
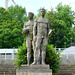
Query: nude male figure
x=28 y=30
x=41 y=29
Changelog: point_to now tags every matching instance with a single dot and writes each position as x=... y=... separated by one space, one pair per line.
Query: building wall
x=7 y=67
x=67 y=70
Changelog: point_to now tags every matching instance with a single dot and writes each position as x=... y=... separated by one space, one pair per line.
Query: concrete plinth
x=34 y=70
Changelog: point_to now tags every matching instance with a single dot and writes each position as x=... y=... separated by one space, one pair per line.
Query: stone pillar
x=34 y=70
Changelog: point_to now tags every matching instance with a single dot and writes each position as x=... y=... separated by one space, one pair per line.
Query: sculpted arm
x=25 y=30
x=49 y=31
x=34 y=28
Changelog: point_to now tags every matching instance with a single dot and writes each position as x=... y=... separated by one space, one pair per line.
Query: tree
x=18 y=13
x=61 y=24
x=11 y=26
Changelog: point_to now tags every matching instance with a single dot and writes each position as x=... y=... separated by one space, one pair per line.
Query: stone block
x=34 y=70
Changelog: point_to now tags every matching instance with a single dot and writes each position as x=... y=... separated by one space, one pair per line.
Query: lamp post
x=65 y=44
x=71 y=41
x=6 y=3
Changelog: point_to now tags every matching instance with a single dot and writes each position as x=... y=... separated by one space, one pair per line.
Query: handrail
x=8 y=51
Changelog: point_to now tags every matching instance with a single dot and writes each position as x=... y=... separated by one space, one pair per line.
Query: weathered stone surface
x=34 y=70
x=28 y=30
x=66 y=70
x=41 y=30
x=34 y=74
x=7 y=67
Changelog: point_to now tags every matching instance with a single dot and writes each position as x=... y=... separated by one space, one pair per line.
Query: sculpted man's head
x=42 y=11
x=30 y=15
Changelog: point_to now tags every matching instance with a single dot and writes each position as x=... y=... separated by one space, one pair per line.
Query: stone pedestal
x=34 y=70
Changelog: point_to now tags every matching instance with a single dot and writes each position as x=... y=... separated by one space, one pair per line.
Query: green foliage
x=69 y=65
x=21 y=56
x=11 y=25
x=18 y=13
x=73 y=36
x=4 y=73
x=52 y=58
x=61 y=24
x=66 y=14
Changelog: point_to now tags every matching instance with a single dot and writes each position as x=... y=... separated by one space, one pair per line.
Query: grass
x=4 y=73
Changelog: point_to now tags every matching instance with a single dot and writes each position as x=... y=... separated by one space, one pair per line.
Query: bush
x=52 y=57
x=21 y=56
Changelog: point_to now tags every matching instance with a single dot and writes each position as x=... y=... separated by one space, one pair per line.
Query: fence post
x=0 y=55
x=67 y=54
x=13 y=53
x=59 y=49
x=55 y=48
x=5 y=54
x=74 y=53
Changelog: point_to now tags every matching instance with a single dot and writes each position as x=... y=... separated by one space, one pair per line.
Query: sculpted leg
x=35 y=58
x=28 y=55
x=35 y=53
x=38 y=45
x=43 y=54
x=44 y=44
x=28 y=43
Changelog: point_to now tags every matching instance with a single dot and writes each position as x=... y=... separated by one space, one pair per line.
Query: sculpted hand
x=25 y=31
x=34 y=38
x=49 y=32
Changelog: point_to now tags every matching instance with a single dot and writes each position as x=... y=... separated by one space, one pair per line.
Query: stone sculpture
x=28 y=30
x=37 y=32
x=41 y=31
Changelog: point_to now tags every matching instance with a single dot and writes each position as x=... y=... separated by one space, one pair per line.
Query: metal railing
x=59 y=49
x=7 y=53
x=10 y=53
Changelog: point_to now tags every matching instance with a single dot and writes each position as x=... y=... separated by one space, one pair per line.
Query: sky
x=34 y=5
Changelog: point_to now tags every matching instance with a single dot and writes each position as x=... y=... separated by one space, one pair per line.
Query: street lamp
x=71 y=41
x=65 y=44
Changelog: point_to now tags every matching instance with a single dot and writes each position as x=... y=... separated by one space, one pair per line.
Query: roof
x=69 y=50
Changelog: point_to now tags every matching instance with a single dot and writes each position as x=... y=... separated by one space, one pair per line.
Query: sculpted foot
x=28 y=64
x=38 y=63
x=43 y=63
x=34 y=63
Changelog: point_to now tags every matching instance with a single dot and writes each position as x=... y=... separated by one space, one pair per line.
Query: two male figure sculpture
x=37 y=36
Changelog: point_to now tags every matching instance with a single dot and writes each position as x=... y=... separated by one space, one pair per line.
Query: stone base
x=34 y=70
